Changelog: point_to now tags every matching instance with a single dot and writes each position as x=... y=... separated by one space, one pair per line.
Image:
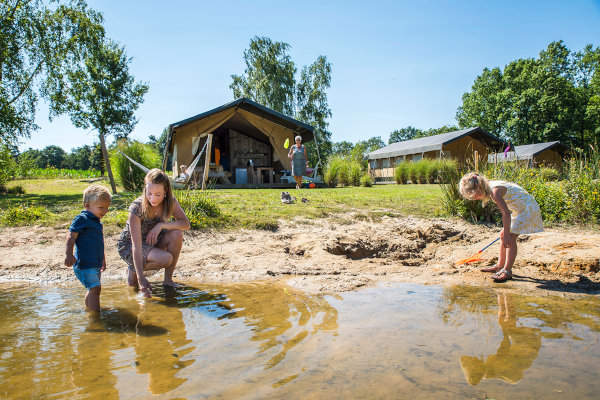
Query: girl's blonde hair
x=473 y=183
x=158 y=177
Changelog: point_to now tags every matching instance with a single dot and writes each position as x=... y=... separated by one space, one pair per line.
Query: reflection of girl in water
x=517 y=351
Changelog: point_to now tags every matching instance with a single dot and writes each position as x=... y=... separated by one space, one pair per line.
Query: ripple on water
x=267 y=340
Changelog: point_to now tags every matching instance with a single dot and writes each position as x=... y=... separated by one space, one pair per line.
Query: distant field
x=252 y=208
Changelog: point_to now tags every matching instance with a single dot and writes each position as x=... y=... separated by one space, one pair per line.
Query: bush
x=129 y=175
x=447 y=170
x=401 y=172
x=366 y=180
x=355 y=173
x=413 y=174
x=22 y=215
x=343 y=171
x=198 y=206
x=548 y=174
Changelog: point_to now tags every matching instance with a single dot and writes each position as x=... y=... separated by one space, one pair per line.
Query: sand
x=328 y=256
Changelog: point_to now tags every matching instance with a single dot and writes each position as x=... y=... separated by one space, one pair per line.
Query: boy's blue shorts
x=89 y=277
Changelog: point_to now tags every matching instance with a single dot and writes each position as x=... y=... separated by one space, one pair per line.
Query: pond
x=265 y=340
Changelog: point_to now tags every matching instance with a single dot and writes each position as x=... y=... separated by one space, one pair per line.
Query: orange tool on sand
x=476 y=256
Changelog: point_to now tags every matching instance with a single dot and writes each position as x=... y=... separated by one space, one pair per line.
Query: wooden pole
x=207 y=161
x=476 y=156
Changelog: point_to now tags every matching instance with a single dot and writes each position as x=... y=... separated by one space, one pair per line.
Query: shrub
x=447 y=170
x=198 y=206
x=355 y=173
x=130 y=176
x=366 y=180
x=421 y=167
x=22 y=215
x=413 y=174
x=401 y=172
x=342 y=171
x=548 y=174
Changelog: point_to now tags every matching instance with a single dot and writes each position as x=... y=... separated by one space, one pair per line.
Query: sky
x=394 y=63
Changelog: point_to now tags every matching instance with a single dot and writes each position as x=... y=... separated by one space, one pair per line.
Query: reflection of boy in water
x=517 y=351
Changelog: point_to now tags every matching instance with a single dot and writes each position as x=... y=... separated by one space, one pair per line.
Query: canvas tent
x=458 y=145
x=549 y=153
x=242 y=133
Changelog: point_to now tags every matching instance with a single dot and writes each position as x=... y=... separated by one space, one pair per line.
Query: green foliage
x=343 y=171
x=198 y=206
x=574 y=199
x=420 y=170
x=22 y=215
x=551 y=97
x=270 y=80
x=41 y=42
x=401 y=172
x=53 y=173
x=130 y=176
x=366 y=180
x=7 y=165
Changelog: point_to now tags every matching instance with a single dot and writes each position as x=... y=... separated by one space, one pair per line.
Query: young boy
x=86 y=234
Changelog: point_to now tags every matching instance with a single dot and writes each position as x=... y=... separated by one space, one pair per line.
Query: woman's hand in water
x=145 y=286
x=152 y=236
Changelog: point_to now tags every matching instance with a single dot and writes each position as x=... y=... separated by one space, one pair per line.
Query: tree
x=103 y=94
x=343 y=148
x=79 y=158
x=438 y=131
x=269 y=75
x=270 y=79
x=541 y=99
x=312 y=106
x=39 y=44
x=400 y=135
x=159 y=143
x=97 y=159
x=53 y=156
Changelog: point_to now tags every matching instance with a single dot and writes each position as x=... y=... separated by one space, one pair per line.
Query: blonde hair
x=94 y=193
x=156 y=176
x=473 y=183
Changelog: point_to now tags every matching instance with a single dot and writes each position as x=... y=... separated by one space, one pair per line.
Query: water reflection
x=48 y=345
x=523 y=322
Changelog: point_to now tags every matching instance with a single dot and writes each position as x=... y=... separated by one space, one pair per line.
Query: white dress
x=525 y=215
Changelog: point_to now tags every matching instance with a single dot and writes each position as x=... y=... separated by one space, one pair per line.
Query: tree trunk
x=107 y=163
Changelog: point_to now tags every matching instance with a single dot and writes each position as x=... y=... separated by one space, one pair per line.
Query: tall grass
x=343 y=171
x=56 y=173
x=425 y=171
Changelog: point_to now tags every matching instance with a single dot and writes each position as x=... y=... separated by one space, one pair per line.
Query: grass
x=249 y=208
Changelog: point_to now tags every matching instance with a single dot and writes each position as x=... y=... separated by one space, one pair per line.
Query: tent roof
x=431 y=143
x=527 y=151
x=305 y=130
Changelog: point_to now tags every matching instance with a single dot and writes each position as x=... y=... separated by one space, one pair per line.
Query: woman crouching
x=150 y=240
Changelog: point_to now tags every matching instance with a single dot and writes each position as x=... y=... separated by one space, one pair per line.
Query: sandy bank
x=333 y=256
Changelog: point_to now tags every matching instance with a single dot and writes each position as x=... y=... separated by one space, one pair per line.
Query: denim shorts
x=89 y=277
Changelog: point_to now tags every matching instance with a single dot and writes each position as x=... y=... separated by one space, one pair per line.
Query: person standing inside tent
x=299 y=159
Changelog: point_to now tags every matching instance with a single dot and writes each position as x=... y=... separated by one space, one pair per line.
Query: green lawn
x=253 y=208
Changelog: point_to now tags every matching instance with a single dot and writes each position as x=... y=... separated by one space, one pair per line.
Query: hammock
x=188 y=171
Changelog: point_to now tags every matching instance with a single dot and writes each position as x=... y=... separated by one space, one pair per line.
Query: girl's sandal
x=502 y=276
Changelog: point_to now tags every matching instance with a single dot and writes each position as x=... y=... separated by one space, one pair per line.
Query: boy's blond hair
x=95 y=193
x=472 y=183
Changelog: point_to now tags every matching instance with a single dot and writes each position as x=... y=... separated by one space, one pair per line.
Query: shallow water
x=271 y=341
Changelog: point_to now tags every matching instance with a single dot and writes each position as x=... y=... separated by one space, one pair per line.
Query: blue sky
x=394 y=63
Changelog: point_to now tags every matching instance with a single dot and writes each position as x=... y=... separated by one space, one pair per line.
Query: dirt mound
x=410 y=245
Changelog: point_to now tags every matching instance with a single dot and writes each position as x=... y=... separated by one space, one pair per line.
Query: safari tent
x=532 y=155
x=458 y=145
x=244 y=141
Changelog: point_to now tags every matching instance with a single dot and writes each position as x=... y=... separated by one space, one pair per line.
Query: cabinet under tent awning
x=245 y=141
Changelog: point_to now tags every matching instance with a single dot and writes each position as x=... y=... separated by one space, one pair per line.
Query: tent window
x=373 y=164
x=386 y=163
x=417 y=157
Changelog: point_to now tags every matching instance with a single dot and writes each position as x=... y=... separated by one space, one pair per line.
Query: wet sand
x=335 y=255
